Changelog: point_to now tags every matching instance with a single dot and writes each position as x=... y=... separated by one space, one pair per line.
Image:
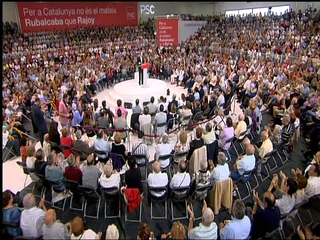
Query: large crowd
x=266 y=63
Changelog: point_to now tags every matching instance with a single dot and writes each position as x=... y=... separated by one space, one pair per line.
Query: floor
x=14 y=179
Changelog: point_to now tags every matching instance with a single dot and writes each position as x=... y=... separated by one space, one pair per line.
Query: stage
x=128 y=91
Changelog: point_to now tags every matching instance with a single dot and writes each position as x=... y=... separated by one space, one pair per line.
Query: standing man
x=139 y=63
x=38 y=121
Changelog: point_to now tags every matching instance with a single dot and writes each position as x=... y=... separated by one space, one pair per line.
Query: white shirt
x=159 y=179
x=144 y=119
x=247 y=163
x=220 y=173
x=163 y=149
x=285 y=204
x=180 y=180
x=265 y=148
x=241 y=127
x=312 y=189
x=88 y=234
x=110 y=182
x=31 y=222
x=220 y=100
x=30 y=162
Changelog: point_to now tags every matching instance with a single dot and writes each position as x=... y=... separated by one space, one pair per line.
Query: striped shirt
x=31 y=222
x=140 y=148
x=287 y=133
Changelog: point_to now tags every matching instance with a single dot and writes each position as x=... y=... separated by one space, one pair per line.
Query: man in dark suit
x=38 y=121
x=139 y=63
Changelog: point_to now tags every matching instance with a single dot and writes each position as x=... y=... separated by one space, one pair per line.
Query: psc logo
x=131 y=13
x=147 y=9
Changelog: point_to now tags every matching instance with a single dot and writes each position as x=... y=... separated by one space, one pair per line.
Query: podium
x=145 y=67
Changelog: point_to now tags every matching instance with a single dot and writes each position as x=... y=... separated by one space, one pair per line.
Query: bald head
x=50 y=217
x=269 y=199
x=250 y=149
x=241 y=117
x=107 y=169
x=207 y=217
x=246 y=141
x=264 y=135
x=156 y=167
x=29 y=201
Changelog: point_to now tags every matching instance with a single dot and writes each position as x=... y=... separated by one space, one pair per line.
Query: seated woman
x=226 y=133
x=55 y=171
x=11 y=213
x=196 y=143
x=118 y=147
x=31 y=156
x=182 y=145
x=66 y=140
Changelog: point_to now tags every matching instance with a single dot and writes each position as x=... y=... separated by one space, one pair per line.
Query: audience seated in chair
x=313 y=183
x=265 y=215
x=145 y=118
x=78 y=231
x=55 y=171
x=109 y=178
x=32 y=217
x=91 y=173
x=241 y=126
x=209 y=135
x=53 y=228
x=157 y=178
x=101 y=144
x=11 y=213
x=244 y=163
x=220 y=172
x=163 y=147
x=133 y=175
x=145 y=232
x=72 y=171
x=82 y=146
x=226 y=133
x=140 y=148
x=182 y=177
x=201 y=177
x=285 y=199
x=207 y=229
x=160 y=118
x=239 y=226
x=178 y=231
x=118 y=147
x=182 y=144
x=121 y=124
x=196 y=143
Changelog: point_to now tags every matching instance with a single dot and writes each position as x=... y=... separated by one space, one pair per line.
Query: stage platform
x=128 y=91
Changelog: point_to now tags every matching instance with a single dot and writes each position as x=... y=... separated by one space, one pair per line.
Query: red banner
x=168 y=32
x=42 y=16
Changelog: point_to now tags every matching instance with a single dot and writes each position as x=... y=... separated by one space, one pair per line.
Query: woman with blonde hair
x=118 y=147
x=178 y=232
x=182 y=145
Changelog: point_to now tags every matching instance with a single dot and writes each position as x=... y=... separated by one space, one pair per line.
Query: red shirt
x=73 y=174
x=68 y=142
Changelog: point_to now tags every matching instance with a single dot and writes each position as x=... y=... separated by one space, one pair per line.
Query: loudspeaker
x=127 y=105
x=145 y=103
